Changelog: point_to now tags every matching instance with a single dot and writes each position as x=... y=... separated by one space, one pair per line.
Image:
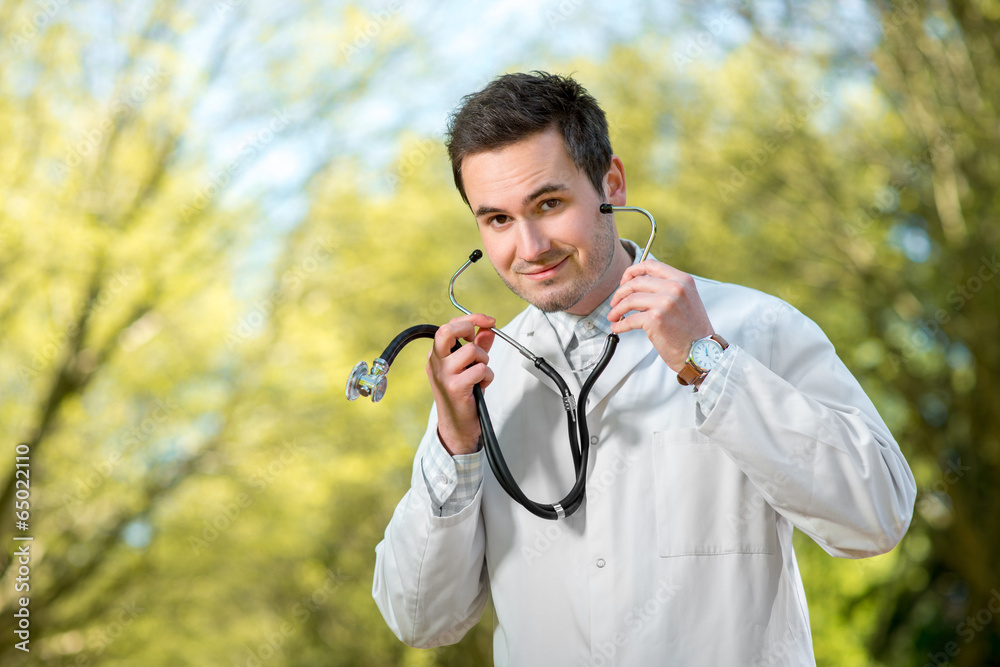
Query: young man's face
x=540 y=220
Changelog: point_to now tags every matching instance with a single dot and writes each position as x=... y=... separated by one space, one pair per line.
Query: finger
x=440 y=366
x=462 y=383
x=450 y=332
x=462 y=358
x=488 y=378
x=653 y=268
x=485 y=338
x=638 y=284
x=477 y=320
x=642 y=302
x=478 y=356
x=460 y=328
x=633 y=321
x=678 y=287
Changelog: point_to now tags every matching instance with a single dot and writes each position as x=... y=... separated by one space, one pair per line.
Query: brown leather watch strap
x=690 y=375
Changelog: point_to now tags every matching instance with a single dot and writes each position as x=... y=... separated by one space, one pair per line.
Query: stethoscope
x=361 y=382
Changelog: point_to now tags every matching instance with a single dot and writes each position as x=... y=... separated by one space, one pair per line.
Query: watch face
x=705 y=354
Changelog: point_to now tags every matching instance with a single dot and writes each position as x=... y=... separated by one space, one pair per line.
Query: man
x=682 y=551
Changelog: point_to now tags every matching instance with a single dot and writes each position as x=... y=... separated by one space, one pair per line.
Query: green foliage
x=202 y=493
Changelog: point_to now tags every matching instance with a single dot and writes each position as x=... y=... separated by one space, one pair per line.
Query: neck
x=607 y=285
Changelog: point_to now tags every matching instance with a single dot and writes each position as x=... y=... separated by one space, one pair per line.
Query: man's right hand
x=454 y=374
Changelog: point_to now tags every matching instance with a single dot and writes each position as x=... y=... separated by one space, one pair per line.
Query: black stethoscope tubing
x=579 y=433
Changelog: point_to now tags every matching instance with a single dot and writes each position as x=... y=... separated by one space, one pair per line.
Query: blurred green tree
x=939 y=79
x=170 y=418
x=175 y=350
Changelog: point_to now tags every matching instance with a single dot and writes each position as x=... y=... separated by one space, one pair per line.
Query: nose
x=532 y=242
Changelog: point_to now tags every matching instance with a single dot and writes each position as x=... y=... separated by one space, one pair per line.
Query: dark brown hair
x=515 y=106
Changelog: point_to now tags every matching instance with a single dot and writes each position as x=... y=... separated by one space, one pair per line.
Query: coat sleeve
x=430 y=572
x=803 y=431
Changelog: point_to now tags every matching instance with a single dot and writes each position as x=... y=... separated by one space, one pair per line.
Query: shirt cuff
x=452 y=481
x=711 y=388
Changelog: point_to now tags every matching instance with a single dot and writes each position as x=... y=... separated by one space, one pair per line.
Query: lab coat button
x=601 y=562
x=593 y=439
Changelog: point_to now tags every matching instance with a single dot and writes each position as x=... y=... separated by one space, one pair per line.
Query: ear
x=614 y=182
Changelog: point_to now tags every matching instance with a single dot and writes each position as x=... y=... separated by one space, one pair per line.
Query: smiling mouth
x=546 y=273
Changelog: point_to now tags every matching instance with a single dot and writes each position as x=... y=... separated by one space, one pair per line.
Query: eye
x=498 y=220
x=549 y=204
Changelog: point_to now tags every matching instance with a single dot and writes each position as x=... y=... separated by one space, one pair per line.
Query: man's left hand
x=667 y=307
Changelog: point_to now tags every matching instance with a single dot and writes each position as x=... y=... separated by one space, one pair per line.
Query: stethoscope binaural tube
x=361 y=382
x=608 y=208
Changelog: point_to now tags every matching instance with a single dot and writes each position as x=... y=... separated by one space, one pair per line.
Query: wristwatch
x=703 y=357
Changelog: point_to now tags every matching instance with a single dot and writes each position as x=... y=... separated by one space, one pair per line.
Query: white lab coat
x=682 y=553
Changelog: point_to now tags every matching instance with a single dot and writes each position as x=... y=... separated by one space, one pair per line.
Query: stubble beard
x=575 y=290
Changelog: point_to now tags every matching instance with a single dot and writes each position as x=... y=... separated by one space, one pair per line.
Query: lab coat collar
x=539 y=337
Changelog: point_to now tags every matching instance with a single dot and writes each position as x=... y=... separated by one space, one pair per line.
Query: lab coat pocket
x=705 y=505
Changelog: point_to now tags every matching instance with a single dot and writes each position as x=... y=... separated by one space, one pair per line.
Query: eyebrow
x=538 y=192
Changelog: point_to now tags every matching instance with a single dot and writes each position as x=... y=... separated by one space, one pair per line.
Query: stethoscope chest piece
x=362 y=383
